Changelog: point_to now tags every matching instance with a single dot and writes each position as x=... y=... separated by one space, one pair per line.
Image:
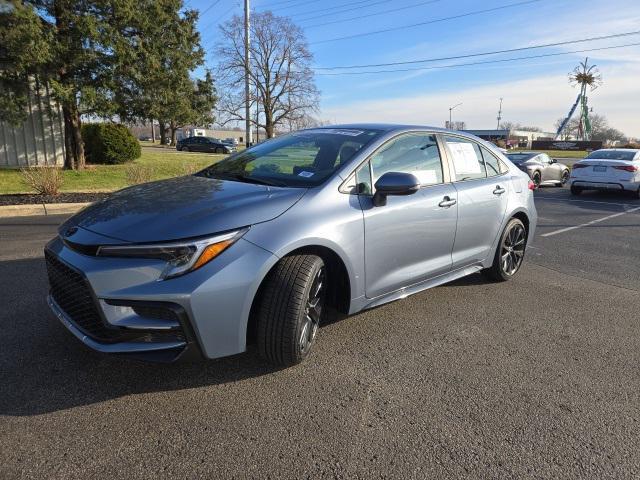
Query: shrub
x=138 y=174
x=109 y=143
x=44 y=180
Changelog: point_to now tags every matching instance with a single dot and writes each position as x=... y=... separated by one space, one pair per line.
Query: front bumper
x=157 y=351
x=211 y=305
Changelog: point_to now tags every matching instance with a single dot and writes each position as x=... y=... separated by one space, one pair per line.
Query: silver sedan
x=541 y=168
x=260 y=246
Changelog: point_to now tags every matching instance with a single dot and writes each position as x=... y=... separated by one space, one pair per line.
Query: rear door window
x=491 y=162
x=466 y=157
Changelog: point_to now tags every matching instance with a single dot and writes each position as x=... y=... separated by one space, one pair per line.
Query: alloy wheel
x=565 y=178
x=313 y=311
x=512 y=251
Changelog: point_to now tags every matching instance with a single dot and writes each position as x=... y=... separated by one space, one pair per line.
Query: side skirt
x=364 y=303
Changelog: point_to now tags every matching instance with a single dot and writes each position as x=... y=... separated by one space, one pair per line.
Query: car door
x=482 y=199
x=409 y=239
x=552 y=171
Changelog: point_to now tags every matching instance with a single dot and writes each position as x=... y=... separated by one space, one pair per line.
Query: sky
x=535 y=91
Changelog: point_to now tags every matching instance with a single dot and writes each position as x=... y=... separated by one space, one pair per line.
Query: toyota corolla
x=260 y=247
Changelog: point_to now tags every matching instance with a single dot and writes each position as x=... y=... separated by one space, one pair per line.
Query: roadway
x=537 y=377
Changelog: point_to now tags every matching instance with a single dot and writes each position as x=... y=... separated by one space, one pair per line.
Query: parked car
x=204 y=144
x=608 y=169
x=541 y=168
x=262 y=246
x=231 y=141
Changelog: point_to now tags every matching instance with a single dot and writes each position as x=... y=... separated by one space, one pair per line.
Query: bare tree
x=600 y=129
x=280 y=70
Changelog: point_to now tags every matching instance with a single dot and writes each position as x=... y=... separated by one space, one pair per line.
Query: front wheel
x=219 y=150
x=537 y=179
x=291 y=305
x=565 y=178
x=575 y=190
x=510 y=252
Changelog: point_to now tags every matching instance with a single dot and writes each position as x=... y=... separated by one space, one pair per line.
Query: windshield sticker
x=306 y=174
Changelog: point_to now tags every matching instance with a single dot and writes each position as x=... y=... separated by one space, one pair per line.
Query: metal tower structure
x=586 y=77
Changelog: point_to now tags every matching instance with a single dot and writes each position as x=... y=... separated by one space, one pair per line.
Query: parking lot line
x=598 y=220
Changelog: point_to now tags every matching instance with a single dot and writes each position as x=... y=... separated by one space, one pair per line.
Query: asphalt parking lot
x=535 y=378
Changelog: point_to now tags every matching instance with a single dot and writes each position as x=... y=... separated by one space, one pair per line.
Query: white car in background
x=607 y=169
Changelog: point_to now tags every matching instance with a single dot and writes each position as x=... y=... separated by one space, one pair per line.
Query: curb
x=40 y=209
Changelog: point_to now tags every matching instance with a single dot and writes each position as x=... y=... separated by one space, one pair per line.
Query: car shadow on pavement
x=43 y=368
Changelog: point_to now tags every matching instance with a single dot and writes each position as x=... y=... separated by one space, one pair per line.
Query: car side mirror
x=394 y=183
x=552 y=160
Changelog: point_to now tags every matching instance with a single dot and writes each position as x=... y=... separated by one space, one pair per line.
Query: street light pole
x=247 y=94
x=450 y=110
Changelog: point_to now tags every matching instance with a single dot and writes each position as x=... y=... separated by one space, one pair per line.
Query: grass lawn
x=555 y=153
x=164 y=164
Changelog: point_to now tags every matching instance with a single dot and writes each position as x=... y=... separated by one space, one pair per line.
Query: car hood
x=183 y=207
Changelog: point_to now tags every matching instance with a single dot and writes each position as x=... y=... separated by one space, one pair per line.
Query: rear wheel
x=575 y=190
x=510 y=252
x=291 y=307
x=565 y=177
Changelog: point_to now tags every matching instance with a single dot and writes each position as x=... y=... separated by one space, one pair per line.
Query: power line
x=335 y=12
x=495 y=52
x=393 y=10
x=324 y=9
x=436 y=67
x=288 y=1
x=291 y=6
x=468 y=14
x=209 y=8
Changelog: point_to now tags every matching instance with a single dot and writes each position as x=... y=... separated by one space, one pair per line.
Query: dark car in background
x=541 y=168
x=204 y=144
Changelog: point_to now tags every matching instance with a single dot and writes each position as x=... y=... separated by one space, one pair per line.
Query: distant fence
x=39 y=140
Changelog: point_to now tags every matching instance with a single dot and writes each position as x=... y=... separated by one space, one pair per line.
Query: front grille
x=73 y=294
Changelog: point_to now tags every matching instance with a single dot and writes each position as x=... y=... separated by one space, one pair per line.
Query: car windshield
x=301 y=159
x=520 y=157
x=611 y=155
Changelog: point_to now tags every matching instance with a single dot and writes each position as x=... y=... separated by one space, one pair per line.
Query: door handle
x=447 y=202
x=499 y=190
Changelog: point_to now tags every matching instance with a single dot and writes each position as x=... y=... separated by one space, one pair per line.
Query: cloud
x=539 y=100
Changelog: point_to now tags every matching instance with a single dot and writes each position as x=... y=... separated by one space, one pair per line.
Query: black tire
x=219 y=150
x=537 y=179
x=575 y=190
x=565 y=178
x=185 y=149
x=515 y=237
x=291 y=307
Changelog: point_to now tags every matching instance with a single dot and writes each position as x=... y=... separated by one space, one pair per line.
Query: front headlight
x=181 y=257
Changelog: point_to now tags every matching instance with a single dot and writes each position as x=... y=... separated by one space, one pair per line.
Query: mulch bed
x=30 y=199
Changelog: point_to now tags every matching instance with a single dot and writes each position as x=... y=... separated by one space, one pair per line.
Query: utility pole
x=450 y=109
x=499 y=114
x=257 y=113
x=247 y=94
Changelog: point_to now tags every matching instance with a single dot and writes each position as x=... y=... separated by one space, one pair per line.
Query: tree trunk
x=173 y=128
x=163 y=133
x=68 y=144
x=73 y=126
x=153 y=132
